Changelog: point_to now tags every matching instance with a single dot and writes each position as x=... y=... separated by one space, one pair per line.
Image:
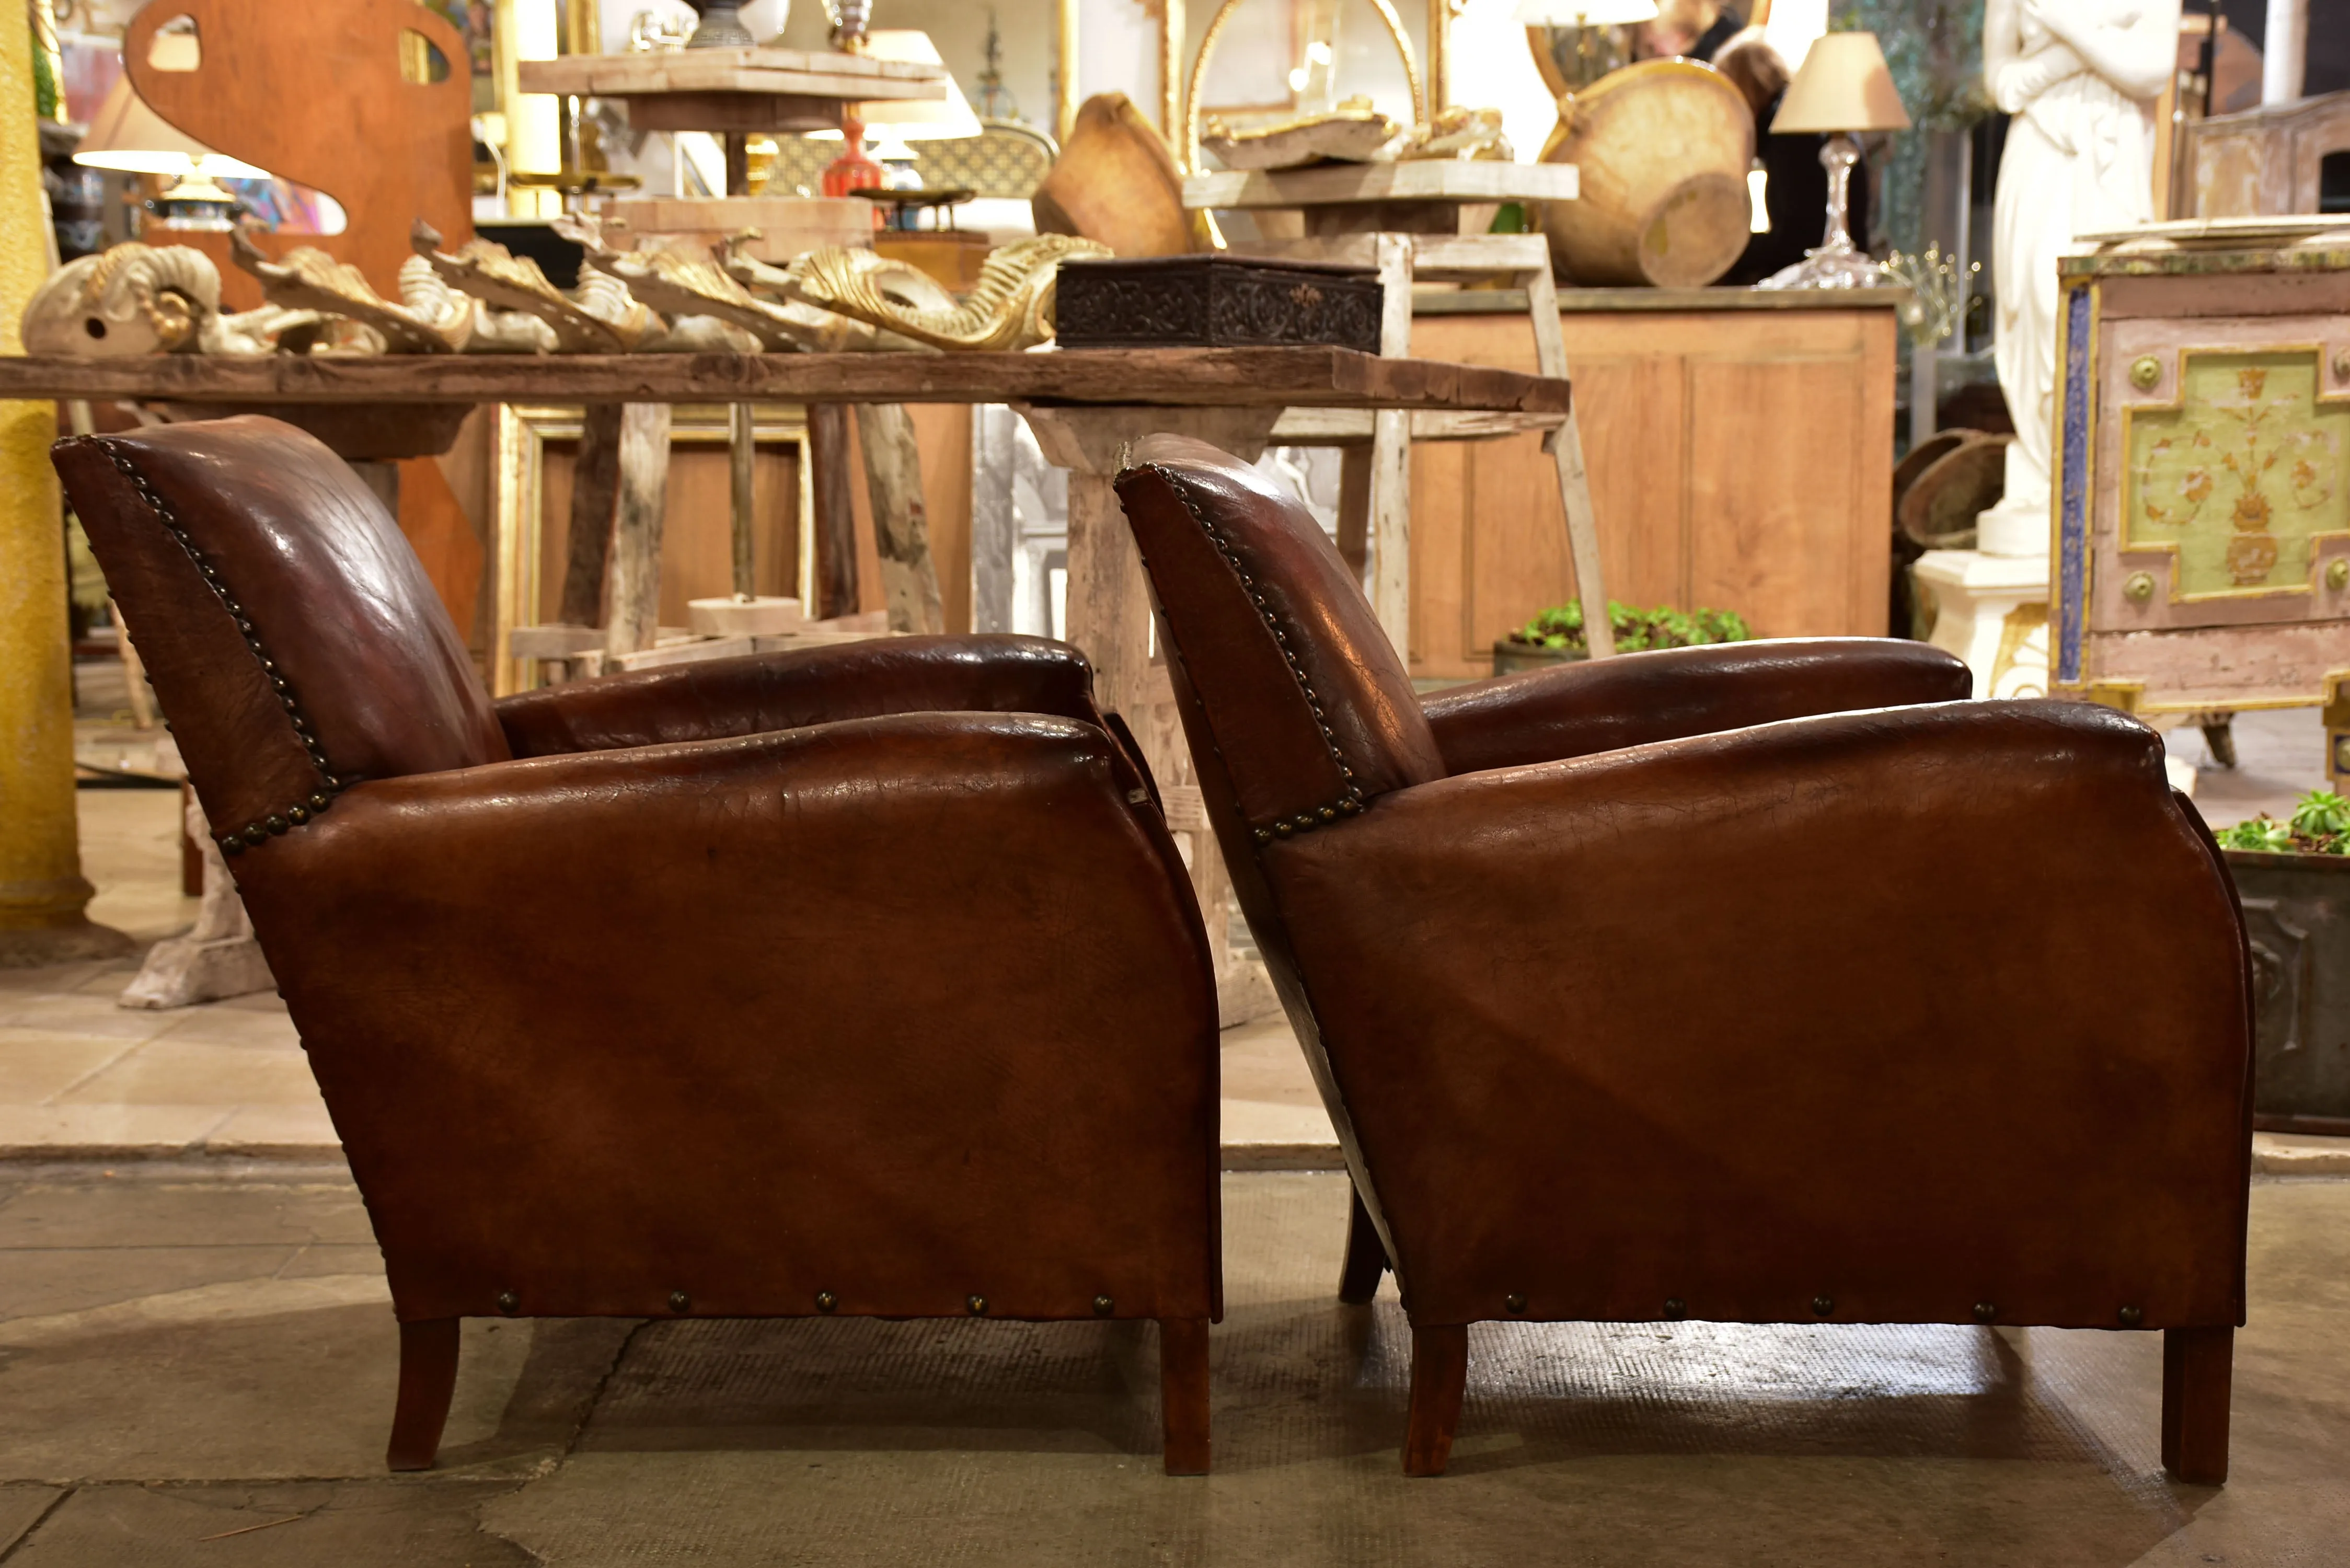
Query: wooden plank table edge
x=1202 y=378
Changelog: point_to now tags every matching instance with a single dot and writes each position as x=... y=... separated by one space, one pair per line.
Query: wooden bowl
x=1663 y=147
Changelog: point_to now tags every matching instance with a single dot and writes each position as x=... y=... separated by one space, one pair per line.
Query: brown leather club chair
x=860 y=981
x=1759 y=983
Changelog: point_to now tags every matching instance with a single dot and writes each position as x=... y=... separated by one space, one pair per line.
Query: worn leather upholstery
x=1574 y=710
x=864 y=981
x=1757 y=983
x=747 y=696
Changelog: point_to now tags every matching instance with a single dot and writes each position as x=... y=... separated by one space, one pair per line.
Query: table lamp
x=893 y=122
x=126 y=135
x=1842 y=88
x=1583 y=15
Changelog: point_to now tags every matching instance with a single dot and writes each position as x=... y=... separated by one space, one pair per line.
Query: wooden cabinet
x=1740 y=451
x=2202 y=551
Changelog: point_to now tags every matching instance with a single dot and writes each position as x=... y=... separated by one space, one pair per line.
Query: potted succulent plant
x=2293 y=877
x=1556 y=636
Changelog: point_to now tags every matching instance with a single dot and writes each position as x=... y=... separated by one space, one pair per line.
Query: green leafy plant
x=1636 y=629
x=2320 y=825
x=2321 y=814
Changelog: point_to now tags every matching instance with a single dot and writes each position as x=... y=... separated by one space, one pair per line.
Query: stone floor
x=197 y=1366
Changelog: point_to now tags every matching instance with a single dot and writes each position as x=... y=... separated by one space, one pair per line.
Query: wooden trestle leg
x=428 y=1376
x=1440 y=1374
x=2197 y=1370
x=1366 y=1258
x=1183 y=1393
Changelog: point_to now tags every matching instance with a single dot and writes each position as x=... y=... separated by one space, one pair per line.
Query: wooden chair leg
x=2198 y=1368
x=1366 y=1258
x=1183 y=1393
x=428 y=1376
x=1440 y=1373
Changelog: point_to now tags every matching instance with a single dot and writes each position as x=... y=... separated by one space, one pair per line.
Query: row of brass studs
x=301 y=811
x=1351 y=801
x=509 y=1304
x=1677 y=1309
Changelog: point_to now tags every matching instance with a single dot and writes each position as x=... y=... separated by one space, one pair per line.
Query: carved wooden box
x=2202 y=553
x=1215 y=302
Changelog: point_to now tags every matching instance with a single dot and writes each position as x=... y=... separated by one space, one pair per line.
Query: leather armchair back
x=280 y=614
x=1304 y=698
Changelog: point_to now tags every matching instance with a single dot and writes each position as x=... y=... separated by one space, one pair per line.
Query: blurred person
x=1693 y=29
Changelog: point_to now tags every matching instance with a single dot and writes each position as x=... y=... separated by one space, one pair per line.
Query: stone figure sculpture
x=2079 y=77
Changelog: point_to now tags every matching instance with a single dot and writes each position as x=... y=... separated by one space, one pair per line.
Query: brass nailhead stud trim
x=1514 y=1302
x=2337 y=575
x=1985 y=1312
x=2131 y=1316
x=2146 y=372
x=978 y=1305
x=1674 y=1308
x=680 y=1301
x=1823 y=1306
x=1351 y=800
x=1102 y=1305
x=277 y=823
x=508 y=1302
x=826 y=1300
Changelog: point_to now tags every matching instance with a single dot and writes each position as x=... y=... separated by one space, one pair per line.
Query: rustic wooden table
x=1086 y=406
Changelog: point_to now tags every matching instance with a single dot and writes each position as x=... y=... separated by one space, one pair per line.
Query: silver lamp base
x=1838 y=263
x=1830 y=267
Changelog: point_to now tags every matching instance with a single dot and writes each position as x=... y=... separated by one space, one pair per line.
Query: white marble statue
x=2080 y=78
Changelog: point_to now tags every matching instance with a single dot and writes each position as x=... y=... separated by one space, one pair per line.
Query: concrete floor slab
x=824 y=1441
x=157 y=1207
x=21 y=1508
x=298 y=1526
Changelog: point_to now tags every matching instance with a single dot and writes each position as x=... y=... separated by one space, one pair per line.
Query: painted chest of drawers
x=2201 y=553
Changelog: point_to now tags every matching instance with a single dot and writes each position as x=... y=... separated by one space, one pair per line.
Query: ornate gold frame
x=517 y=505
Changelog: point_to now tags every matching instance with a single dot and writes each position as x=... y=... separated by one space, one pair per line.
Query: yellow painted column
x=42 y=892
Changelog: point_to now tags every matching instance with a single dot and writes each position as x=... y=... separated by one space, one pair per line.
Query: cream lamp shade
x=126 y=134
x=910 y=120
x=1585 y=12
x=1844 y=86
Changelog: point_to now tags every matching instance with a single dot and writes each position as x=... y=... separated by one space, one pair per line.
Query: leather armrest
x=1575 y=709
x=764 y=691
x=1905 y=1011
x=893 y=1008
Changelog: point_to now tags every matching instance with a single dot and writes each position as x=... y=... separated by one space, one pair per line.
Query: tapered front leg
x=2197 y=1375
x=428 y=1376
x=1367 y=1256
x=1440 y=1373
x=1183 y=1393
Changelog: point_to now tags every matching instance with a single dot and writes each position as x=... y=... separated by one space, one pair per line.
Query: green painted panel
x=2241 y=475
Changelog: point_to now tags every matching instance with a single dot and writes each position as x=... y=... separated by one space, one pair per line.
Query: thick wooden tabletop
x=1143 y=378
x=824 y=74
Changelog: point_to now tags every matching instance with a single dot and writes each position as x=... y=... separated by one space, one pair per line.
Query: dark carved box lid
x=1216 y=301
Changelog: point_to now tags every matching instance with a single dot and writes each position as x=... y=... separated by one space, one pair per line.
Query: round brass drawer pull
x=2145 y=373
x=2337 y=575
x=2138 y=587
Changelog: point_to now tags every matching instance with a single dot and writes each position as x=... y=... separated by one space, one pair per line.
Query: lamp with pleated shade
x=125 y=134
x=1842 y=88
